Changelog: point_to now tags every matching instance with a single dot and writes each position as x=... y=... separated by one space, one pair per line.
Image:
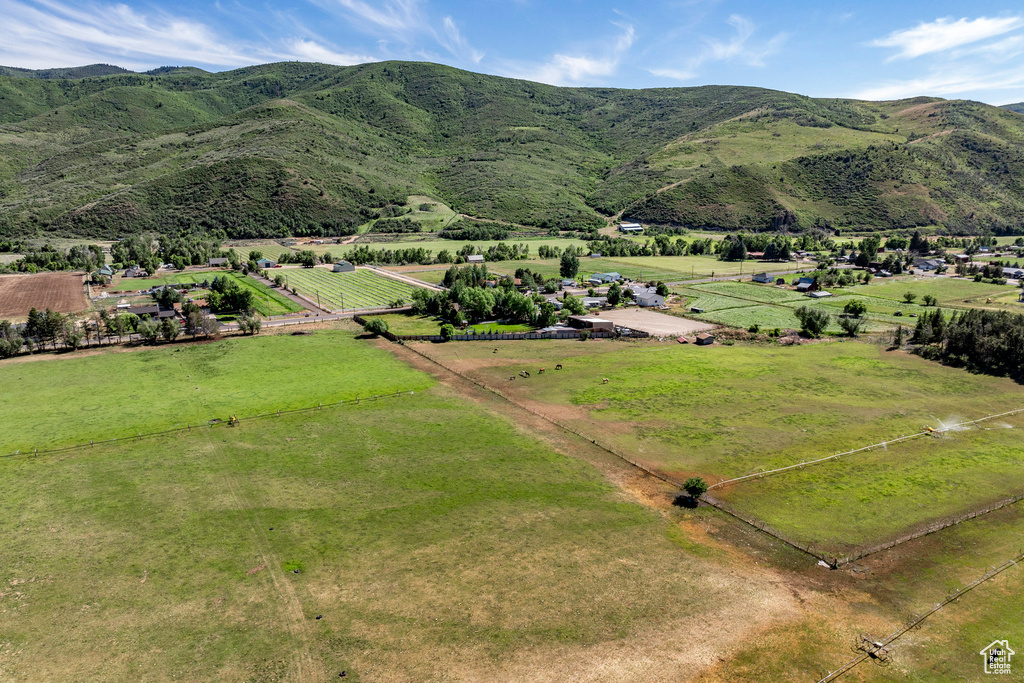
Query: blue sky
x=872 y=50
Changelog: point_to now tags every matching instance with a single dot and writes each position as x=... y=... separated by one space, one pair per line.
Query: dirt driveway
x=654 y=323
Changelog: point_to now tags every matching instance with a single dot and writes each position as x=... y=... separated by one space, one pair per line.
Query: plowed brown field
x=57 y=291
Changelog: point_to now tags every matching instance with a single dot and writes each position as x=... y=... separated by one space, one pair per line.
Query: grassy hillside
x=297 y=148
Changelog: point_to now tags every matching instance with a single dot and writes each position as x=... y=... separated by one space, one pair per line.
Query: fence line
x=876 y=647
x=757 y=524
x=834 y=561
x=210 y=423
x=507 y=336
x=759 y=475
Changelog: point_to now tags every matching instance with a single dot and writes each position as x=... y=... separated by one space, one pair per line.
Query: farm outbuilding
x=217 y=262
x=265 y=263
x=588 y=323
x=475 y=258
x=705 y=339
x=630 y=227
x=343 y=267
x=764 y=278
x=649 y=300
x=806 y=284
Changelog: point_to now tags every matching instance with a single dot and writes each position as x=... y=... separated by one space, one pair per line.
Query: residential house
x=219 y=262
x=930 y=264
x=650 y=300
x=764 y=278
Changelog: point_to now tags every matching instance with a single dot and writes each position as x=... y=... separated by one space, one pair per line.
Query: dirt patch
x=62 y=292
x=657 y=324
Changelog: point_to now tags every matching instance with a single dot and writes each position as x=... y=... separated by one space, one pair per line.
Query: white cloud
x=49 y=33
x=304 y=50
x=945 y=34
x=396 y=17
x=950 y=83
x=736 y=49
x=577 y=69
x=455 y=43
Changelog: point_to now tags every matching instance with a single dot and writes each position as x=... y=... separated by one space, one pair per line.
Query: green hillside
x=310 y=149
x=69 y=72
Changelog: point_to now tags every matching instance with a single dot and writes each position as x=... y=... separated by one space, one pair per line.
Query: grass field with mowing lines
x=768 y=294
x=362 y=289
x=120 y=394
x=689 y=267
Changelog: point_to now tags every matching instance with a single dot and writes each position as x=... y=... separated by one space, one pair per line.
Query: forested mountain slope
x=297 y=148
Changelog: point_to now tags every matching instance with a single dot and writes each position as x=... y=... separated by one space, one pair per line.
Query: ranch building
x=265 y=263
x=586 y=323
x=705 y=339
x=219 y=262
x=764 y=278
x=343 y=267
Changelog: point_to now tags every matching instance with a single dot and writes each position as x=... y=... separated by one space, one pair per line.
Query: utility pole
x=318 y=302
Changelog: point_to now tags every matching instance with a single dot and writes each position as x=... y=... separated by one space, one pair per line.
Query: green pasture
x=908 y=580
x=267 y=302
x=695 y=267
x=434 y=276
x=131 y=284
x=498 y=327
x=400 y=323
x=947 y=290
x=726 y=411
x=869 y=497
x=270 y=250
x=361 y=289
x=117 y=395
x=755 y=293
x=432 y=540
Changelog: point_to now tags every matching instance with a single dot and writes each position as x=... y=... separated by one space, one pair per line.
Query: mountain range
x=299 y=148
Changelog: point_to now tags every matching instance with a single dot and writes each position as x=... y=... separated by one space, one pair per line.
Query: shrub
x=447 y=331
x=851 y=325
x=377 y=326
x=813 y=321
x=856 y=308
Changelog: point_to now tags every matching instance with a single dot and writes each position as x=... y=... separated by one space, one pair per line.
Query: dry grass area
x=62 y=292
